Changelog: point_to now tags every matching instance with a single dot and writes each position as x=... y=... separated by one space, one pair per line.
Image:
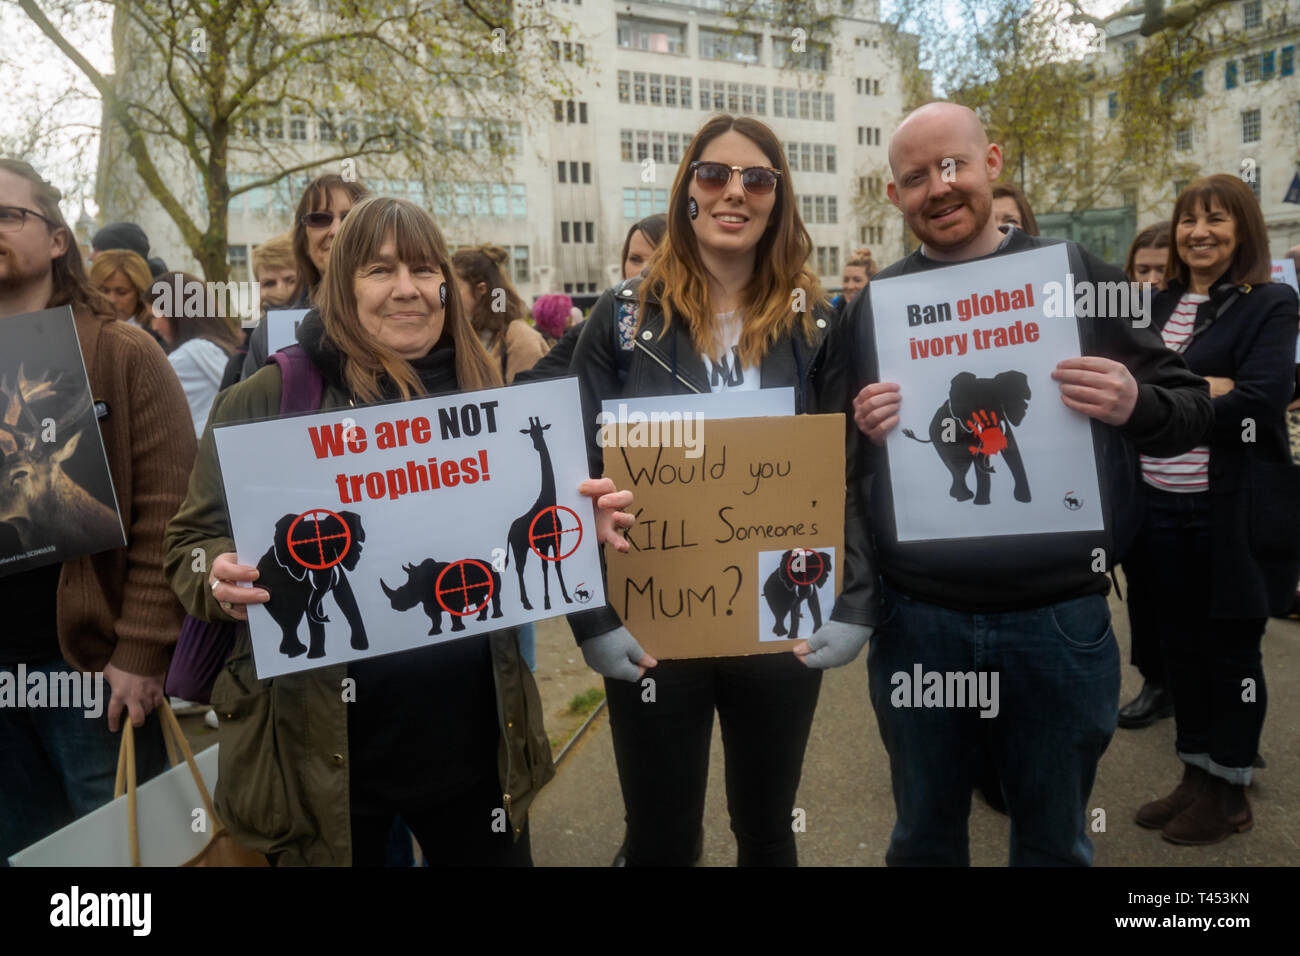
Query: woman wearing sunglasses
x=321 y=210
x=712 y=313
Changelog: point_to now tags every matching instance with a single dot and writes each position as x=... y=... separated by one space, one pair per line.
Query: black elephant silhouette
x=795 y=580
x=973 y=425
x=325 y=545
x=473 y=586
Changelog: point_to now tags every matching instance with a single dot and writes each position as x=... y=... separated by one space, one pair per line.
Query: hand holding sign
x=611 y=520
x=875 y=409
x=1100 y=388
x=226 y=572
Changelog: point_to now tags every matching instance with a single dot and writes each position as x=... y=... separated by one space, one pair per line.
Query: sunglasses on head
x=756 y=180
x=321 y=220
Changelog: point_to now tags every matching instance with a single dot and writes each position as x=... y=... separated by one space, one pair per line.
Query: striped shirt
x=1187 y=473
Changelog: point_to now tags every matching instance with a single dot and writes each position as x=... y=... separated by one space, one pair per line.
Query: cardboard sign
x=387 y=527
x=56 y=492
x=984 y=445
x=737 y=550
x=282 y=328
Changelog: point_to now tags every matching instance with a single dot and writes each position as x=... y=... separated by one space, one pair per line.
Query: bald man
x=1030 y=608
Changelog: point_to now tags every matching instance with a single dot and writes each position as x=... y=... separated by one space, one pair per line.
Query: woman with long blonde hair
x=728 y=304
x=439 y=734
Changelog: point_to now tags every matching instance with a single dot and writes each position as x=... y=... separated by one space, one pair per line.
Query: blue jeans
x=1057 y=700
x=528 y=644
x=57 y=764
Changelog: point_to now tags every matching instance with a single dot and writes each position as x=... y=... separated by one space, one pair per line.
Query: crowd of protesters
x=1207 y=526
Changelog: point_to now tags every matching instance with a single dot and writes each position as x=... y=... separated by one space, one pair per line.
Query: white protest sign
x=282 y=328
x=1284 y=271
x=387 y=527
x=985 y=446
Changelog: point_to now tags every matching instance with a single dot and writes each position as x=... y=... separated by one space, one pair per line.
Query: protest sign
x=388 y=527
x=738 y=545
x=972 y=348
x=56 y=492
x=282 y=328
x=1284 y=271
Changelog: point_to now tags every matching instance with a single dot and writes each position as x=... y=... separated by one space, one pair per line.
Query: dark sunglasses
x=756 y=180
x=321 y=220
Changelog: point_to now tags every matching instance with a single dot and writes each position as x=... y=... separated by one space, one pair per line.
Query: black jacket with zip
x=1020 y=572
x=622 y=354
x=1248 y=334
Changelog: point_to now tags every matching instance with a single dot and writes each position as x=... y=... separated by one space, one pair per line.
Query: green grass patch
x=584 y=703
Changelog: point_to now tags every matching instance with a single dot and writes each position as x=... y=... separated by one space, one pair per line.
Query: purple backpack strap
x=303 y=386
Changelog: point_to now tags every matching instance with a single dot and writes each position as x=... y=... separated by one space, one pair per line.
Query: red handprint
x=984 y=426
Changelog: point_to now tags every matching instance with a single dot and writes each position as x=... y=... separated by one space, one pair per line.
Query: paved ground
x=578 y=819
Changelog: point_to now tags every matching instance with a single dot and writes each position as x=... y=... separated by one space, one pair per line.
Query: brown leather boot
x=1219 y=811
x=1157 y=813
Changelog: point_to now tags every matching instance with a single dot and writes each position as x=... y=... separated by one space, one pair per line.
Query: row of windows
x=639 y=203
x=828 y=260
x=638 y=145
x=819 y=209
x=733 y=97
x=871 y=234
x=656 y=89
x=868 y=87
x=569 y=111
x=803 y=104
x=572 y=52
x=481 y=200
x=659 y=36
x=1252 y=131
x=1259 y=67
x=578 y=230
x=471 y=134
x=811 y=157
x=569 y=171
x=579 y=287
x=868 y=135
x=1194 y=86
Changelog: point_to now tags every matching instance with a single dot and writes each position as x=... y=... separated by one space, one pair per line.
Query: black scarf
x=437 y=369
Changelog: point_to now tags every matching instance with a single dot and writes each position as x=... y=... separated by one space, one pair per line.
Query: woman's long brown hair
x=487 y=264
x=1250 y=260
x=367 y=362
x=677 y=277
x=316 y=198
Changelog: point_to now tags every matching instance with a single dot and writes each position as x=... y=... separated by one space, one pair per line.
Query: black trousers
x=1215 y=668
x=465 y=830
x=765 y=703
x=1143 y=605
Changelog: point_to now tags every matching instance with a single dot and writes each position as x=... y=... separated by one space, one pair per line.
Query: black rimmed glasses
x=13 y=217
x=756 y=180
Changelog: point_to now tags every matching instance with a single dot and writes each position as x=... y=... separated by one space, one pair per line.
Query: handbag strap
x=175 y=741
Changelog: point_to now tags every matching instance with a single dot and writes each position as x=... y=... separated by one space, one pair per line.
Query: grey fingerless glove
x=835 y=644
x=614 y=654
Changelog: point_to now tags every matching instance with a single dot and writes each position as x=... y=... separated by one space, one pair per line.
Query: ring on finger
x=227 y=606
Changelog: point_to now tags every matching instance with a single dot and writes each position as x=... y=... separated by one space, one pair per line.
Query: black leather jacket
x=621 y=354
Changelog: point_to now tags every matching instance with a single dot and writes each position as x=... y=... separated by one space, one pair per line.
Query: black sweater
x=1019 y=572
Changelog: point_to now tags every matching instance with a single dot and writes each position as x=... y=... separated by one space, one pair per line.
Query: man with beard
x=111 y=612
x=1030 y=607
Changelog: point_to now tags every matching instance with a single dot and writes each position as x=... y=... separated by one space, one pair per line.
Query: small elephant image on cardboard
x=973 y=425
x=466 y=589
x=796 y=577
x=308 y=559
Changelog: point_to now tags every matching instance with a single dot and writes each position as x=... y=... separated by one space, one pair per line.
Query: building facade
x=585 y=168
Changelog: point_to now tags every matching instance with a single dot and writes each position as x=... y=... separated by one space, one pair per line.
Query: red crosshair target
x=552 y=528
x=466 y=586
x=812 y=571
x=328 y=542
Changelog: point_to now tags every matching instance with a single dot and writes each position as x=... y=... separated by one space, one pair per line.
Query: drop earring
x=442 y=294
x=692 y=207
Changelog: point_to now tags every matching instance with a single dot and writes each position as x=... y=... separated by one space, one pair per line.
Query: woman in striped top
x=1218 y=548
